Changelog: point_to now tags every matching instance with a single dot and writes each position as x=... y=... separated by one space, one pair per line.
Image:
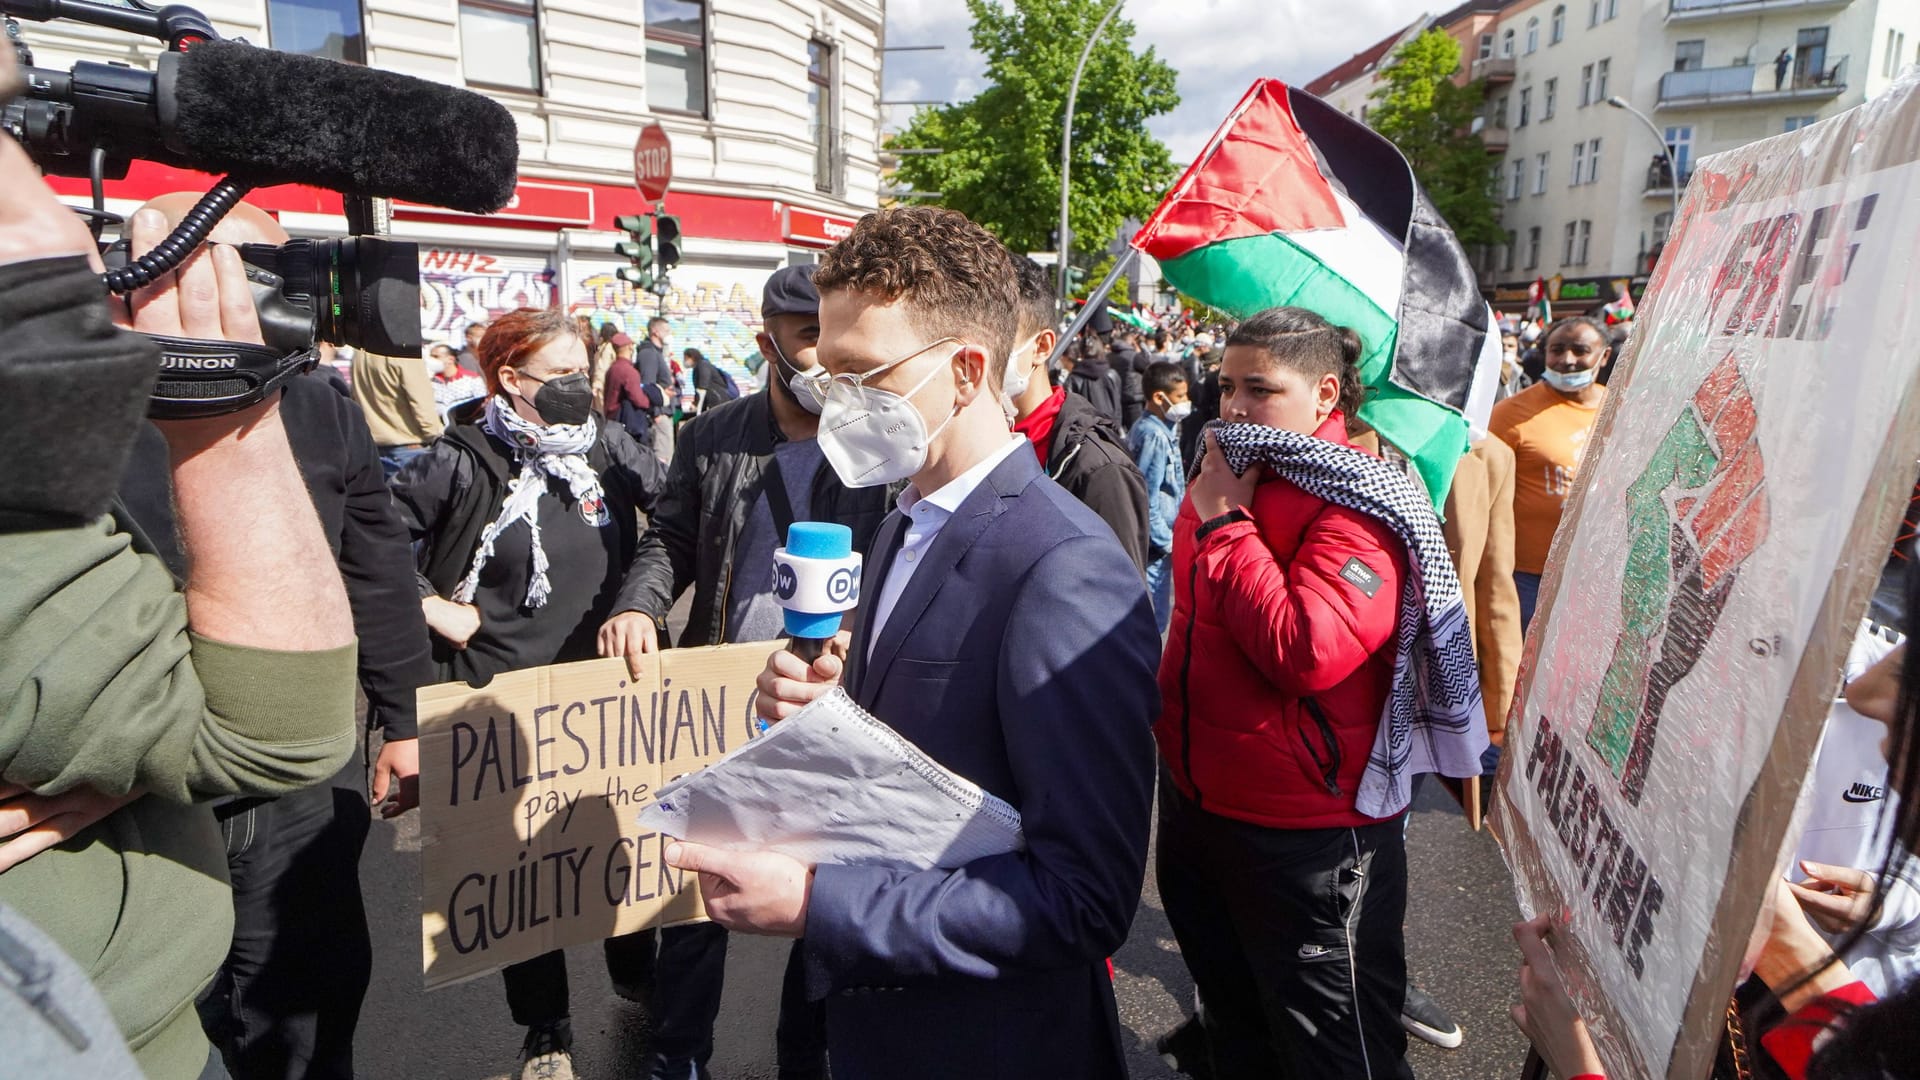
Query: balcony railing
x=1494 y=69
x=1746 y=83
x=1660 y=178
x=1701 y=10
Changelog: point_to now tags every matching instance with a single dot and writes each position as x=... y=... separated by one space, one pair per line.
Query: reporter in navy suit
x=1005 y=631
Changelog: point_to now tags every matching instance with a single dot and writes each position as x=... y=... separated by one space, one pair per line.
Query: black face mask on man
x=563 y=400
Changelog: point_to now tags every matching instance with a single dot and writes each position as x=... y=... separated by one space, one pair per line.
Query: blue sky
x=1217 y=46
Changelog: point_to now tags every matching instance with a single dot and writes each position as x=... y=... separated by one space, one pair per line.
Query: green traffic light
x=667 y=233
x=640 y=254
x=636 y=277
x=640 y=225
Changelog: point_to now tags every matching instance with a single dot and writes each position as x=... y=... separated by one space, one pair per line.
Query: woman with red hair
x=527 y=513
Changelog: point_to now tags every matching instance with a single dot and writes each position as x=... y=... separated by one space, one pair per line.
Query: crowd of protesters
x=1164 y=615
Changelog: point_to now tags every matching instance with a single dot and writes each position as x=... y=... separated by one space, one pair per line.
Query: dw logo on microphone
x=844 y=586
x=784 y=583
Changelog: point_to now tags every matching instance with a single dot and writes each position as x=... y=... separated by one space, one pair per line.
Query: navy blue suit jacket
x=1022 y=656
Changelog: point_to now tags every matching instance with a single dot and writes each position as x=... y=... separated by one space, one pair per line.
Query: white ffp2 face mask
x=873 y=437
x=809 y=388
x=1179 y=411
x=1020 y=371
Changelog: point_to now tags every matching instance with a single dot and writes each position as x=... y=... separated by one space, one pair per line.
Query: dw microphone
x=816 y=579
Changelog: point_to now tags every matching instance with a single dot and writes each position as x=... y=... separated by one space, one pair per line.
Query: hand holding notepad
x=835 y=785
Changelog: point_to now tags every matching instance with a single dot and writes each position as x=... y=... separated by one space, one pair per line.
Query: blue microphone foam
x=816 y=540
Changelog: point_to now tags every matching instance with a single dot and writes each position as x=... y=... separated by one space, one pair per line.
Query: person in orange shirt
x=1547 y=425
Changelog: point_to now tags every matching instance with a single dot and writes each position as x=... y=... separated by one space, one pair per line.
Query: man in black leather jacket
x=741 y=473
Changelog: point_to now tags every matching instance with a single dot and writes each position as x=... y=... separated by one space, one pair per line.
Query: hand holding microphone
x=816 y=580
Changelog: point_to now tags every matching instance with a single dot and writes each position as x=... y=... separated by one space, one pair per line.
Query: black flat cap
x=790 y=291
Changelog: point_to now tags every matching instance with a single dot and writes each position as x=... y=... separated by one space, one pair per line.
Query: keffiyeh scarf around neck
x=543 y=452
x=1434 y=720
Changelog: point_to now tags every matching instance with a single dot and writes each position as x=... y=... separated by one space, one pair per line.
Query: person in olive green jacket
x=114 y=686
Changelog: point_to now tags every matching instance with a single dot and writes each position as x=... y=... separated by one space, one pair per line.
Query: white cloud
x=1218 y=46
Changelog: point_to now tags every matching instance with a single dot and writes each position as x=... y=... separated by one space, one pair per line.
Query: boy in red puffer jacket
x=1286 y=900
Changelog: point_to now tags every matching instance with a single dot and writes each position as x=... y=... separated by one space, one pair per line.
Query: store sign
x=1736 y=501
x=544 y=201
x=813 y=227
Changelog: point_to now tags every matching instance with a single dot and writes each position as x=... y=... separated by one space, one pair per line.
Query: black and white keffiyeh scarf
x=1434 y=720
x=543 y=451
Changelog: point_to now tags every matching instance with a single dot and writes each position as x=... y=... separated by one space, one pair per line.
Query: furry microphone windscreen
x=268 y=117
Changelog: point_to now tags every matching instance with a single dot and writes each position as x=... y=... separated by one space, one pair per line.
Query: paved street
x=1457 y=924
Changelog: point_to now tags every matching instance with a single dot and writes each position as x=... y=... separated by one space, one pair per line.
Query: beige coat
x=1479 y=530
x=396 y=394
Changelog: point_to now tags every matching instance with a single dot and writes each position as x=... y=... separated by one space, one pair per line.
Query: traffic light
x=667 y=230
x=638 y=250
x=1076 y=279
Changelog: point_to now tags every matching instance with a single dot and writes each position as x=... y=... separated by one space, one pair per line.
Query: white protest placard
x=1734 y=510
x=530 y=793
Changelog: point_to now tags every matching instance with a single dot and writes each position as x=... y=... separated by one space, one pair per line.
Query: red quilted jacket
x=1280 y=656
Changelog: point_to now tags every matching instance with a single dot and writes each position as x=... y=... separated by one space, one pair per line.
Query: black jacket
x=337 y=459
x=1131 y=366
x=1088 y=456
x=447 y=497
x=1094 y=380
x=716 y=477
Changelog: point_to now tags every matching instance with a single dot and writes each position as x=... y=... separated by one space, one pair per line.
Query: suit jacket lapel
x=988 y=501
x=878 y=561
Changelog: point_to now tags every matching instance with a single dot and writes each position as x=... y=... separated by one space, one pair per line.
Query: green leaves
x=1420 y=109
x=1001 y=159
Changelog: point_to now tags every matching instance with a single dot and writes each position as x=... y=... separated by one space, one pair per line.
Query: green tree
x=1000 y=151
x=1420 y=109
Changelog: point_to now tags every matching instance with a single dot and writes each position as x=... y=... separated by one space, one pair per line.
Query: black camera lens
x=360 y=291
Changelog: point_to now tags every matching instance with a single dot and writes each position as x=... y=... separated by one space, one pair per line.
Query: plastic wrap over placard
x=1735 y=502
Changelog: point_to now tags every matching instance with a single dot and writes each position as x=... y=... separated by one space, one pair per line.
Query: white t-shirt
x=1849 y=811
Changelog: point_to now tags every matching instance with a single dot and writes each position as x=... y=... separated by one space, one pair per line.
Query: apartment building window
x=1613 y=8
x=1486 y=46
x=1680 y=145
x=1795 y=123
x=1593 y=162
x=826 y=126
x=1593 y=14
x=1586 y=85
x=677 y=56
x=1600 y=80
x=1533 y=35
x=326 y=28
x=1579 y=165
x=1548 y=92
x=1557 y=30
x=500 y=43
x=1809 y=55
x=1506 y=255
x=1566 y=245
x=1506 y=45
x=1690 y=55
x=1526 y=106
x=1533 y=247
x=1896 y=47
x=1540 y=174
x=1500 y=112
x=1580 y=243
x=1516 y=180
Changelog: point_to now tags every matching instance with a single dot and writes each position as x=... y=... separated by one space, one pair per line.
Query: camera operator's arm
x=106 y=685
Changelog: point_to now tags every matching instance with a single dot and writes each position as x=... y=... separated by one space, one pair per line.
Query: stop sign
x=652 y=162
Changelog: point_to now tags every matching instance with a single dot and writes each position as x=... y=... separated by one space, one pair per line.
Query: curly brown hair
x=952 y=273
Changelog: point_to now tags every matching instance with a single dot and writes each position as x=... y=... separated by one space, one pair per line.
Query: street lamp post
x=1659 y=140
x=1066 y=145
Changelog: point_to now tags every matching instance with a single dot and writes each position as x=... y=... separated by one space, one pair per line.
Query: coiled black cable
x=188 y=235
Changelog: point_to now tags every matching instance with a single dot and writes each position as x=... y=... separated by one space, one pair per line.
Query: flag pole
x=1066 y=150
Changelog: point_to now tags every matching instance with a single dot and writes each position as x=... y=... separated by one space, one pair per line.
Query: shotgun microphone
x=264 y=117
x=816 y=579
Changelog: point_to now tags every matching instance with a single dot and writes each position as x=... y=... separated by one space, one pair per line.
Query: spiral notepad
x=835 y=785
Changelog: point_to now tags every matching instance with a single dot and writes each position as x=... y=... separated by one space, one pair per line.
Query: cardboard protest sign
x=530 y=793
x=1730 y=518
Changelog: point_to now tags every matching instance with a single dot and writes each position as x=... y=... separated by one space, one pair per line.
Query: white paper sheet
x=835 y=785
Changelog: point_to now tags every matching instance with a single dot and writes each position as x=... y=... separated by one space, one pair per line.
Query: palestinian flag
x=1294 y=203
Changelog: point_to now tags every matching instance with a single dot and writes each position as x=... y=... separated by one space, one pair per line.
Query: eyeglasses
x=849 y=391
